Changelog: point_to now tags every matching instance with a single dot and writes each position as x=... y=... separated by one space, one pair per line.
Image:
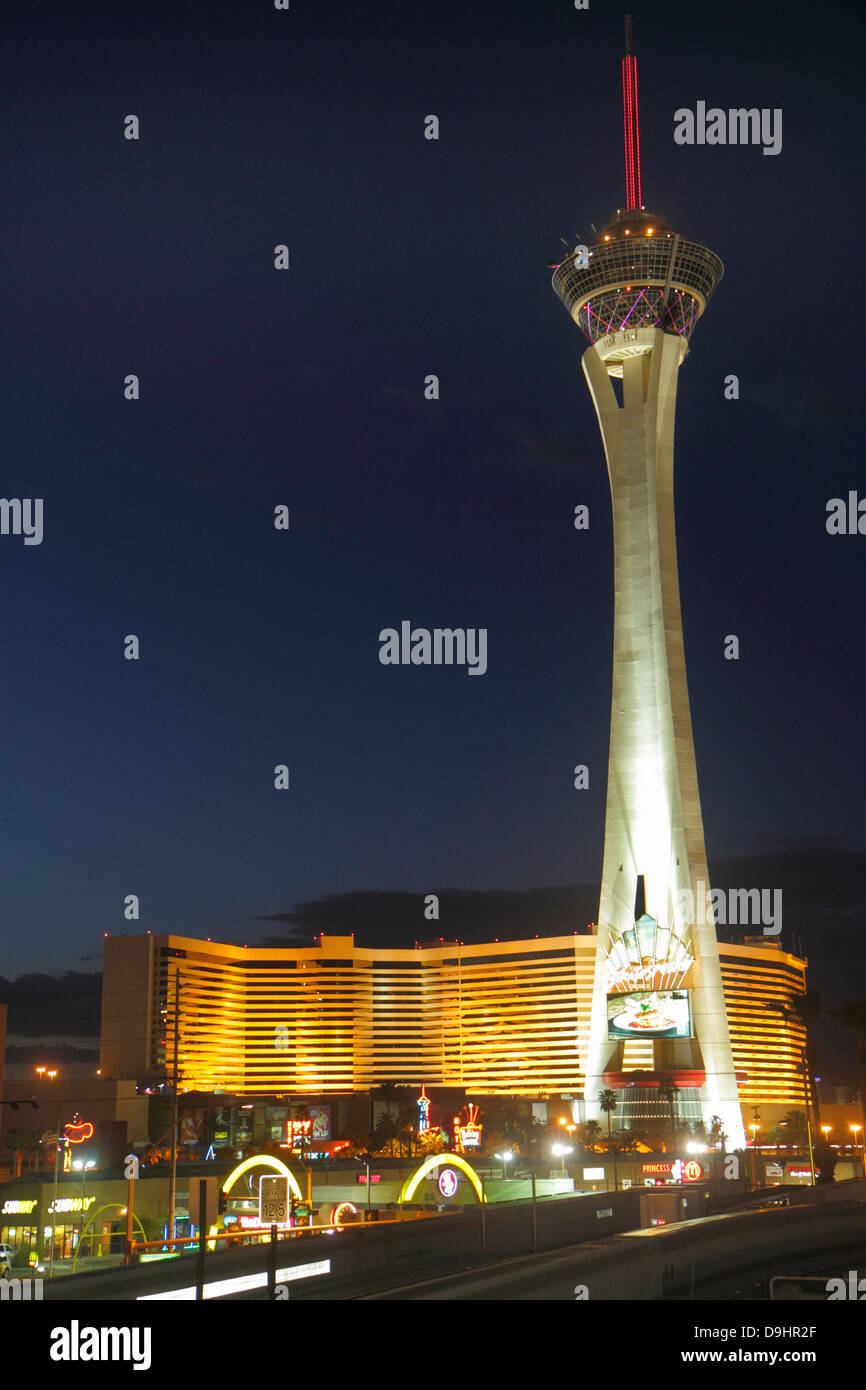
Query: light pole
x=559 y=1151
x=172 y=1175
x=754 y=1128
x=61 y=1142
x=366 y=1159
x=808 y=1113
x=505 y=1158
x=79 y=1163
x=855 y=1130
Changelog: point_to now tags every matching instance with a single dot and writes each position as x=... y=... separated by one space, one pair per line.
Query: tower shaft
x=653 y=822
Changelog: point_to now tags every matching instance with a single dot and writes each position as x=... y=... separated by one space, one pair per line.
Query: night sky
x=306 y=388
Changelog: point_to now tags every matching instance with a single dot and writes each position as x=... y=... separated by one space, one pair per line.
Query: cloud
x=67 y=1004
x=397 y=919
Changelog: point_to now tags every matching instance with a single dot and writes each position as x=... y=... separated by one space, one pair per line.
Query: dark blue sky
x=408 y=257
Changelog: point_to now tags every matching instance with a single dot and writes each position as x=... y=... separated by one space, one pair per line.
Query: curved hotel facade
x=503 y=1018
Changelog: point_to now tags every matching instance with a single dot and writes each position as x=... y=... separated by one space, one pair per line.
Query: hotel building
x=509 y=1018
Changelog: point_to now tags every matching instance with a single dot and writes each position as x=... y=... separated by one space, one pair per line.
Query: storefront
x=34 y=1213
x=18 y=1223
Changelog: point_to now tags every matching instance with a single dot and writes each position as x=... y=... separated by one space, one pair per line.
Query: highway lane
x=722 y=1257
x=550 y=1277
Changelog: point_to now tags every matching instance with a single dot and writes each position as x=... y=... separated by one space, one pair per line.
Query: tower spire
x=633 y=198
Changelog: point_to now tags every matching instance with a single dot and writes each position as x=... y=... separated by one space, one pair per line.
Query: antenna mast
x=633 y=199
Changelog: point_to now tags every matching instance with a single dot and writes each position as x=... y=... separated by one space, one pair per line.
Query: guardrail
x=255 y=1234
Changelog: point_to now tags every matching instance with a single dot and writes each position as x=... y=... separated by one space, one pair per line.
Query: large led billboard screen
x=664 y=1013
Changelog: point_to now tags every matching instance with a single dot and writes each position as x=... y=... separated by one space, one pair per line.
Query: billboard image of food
x=657 y=1014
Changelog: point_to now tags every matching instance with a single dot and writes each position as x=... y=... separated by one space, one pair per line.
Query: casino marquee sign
x=675 y=1169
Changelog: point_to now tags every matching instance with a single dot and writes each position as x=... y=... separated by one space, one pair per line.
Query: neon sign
x=72 y=1204
x=424 y=1107
x=448 y=1182
x=17 y=1207
x=342 y=1212
x=411 y=1184
x=467 y=1135
x=296 y=1130
x=78 y=1132
x=676 y=1169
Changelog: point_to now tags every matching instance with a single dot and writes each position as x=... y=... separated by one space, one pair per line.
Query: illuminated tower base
x=653 y=826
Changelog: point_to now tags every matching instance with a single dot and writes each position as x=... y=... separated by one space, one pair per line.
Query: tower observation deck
x=639 y=274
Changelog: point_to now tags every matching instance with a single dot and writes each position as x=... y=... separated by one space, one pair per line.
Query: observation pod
x=639 y=274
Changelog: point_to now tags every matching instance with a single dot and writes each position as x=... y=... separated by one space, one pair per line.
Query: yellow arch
x=106 y=1207
x=441 y=1161
x=263 y=1161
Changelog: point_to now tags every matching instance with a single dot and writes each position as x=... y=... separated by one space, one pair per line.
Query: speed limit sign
x=274 y=1201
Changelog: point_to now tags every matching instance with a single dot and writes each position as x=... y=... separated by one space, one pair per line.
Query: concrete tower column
x=653 y=823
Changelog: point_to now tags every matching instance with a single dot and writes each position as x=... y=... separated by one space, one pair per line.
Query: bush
x=825 y=1159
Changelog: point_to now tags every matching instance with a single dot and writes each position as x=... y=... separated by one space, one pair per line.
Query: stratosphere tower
x=658 y=1011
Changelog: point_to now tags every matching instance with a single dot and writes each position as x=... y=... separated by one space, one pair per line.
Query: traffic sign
x=274 y=1200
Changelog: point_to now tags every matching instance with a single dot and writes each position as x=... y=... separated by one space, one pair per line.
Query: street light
x=365 y=1159
x=505 y=1158
x=79 y=1163
x=754 y=1128
x=855 y=1130
x=560 y=1150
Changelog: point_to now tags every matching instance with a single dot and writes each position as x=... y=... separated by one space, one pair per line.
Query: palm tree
x=23 y=1143
x=589 y=1134
x=716 y=1136
x=851 y=1013
x=389 y=1092
x=608 y=1102
x=794 y=1125
x=669 y=1090
x=806 y=1010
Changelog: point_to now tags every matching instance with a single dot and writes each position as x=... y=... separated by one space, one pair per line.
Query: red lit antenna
x=633 y=197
